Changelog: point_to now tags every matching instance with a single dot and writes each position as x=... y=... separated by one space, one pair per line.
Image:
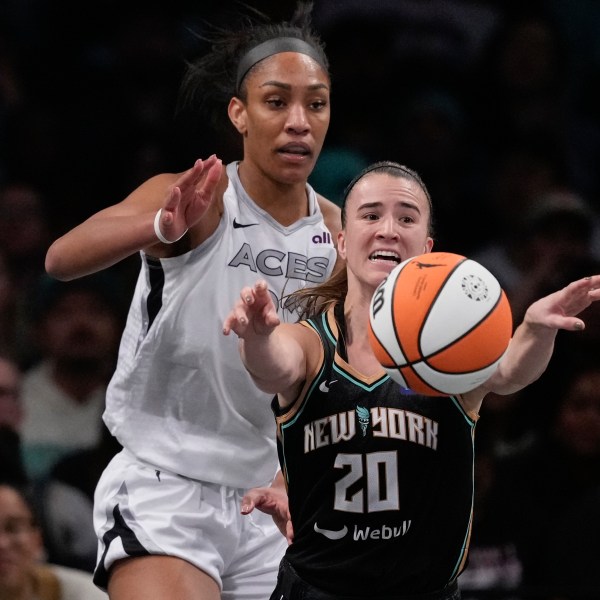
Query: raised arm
x=119 y=231
x=532 y=345
x=275 y=354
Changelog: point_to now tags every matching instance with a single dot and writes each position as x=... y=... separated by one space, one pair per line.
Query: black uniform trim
x=157 y=284
x=131 y=545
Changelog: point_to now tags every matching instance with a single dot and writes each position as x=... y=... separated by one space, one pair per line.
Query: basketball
x=439 y=324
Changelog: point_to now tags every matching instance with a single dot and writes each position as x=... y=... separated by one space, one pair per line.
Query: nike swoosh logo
x=324 y=387
x=330 y=534
x=237 y=225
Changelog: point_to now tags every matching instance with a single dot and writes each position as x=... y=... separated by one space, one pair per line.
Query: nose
x=297 y=121
x=387 y=228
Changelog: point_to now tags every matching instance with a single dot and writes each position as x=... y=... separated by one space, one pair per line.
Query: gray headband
x=270 y=47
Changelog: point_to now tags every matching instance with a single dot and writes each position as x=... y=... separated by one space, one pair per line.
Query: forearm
x=99 y=243
x=275 y=361
x=526 y=359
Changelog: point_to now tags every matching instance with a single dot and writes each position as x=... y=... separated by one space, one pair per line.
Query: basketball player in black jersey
x=380 y=480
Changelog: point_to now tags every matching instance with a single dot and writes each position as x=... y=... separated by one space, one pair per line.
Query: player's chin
x=382 y=266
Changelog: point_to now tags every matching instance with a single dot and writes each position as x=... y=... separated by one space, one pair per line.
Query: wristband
x=158 y=232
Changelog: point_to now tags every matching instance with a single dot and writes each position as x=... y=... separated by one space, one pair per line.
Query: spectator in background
x=24 y=231
x=552 y=234
x=569 y=560
x=77 y=326
x=9 y=326
x=551 y=489
x=24 y=573
x=11 y=417
x=64 y=501
x=67 y=503
x=24 y=238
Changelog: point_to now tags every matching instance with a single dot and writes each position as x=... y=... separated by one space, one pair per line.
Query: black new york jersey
x=380 y=480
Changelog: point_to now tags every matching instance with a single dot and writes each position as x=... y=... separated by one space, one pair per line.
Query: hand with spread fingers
x=253 y=313
x=188 y=199
x=559 y=310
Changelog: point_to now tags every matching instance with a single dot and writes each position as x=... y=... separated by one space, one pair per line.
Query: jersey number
x=378 y=489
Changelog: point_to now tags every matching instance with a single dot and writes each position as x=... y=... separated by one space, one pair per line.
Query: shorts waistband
x=293 y=586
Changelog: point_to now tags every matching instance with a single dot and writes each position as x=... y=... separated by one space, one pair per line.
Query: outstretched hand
x=560 y=309
x=189 y=197
x=253 y=314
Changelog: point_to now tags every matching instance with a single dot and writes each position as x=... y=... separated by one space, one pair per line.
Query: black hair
x=209 y=82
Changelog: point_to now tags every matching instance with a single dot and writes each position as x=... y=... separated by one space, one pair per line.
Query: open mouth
x=385 y=255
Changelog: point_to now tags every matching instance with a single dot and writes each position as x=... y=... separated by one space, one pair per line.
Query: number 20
x=381 y=482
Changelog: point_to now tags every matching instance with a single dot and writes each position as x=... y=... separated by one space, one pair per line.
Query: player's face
x=387 y=222
x=286 y=116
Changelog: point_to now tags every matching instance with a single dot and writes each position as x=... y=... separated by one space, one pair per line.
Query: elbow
x=55 y=266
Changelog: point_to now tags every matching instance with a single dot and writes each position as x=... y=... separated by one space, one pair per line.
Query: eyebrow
x=367 y=205
x=287 y=86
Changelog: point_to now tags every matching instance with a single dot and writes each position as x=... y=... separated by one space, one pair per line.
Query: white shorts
x=140 y=510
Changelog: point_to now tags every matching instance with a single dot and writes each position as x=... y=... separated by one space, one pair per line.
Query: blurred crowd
x=495 y=103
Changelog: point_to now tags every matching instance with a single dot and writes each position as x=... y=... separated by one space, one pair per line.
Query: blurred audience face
x=23 y=227
x=578 y=421
x=6 y=286
x=80 y=327
x=11 y=410
x=20 y=544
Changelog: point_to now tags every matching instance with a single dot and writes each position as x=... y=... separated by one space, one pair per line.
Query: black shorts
x=291 y=587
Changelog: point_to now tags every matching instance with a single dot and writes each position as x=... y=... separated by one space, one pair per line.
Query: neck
x=285 y=202
x=358 y=347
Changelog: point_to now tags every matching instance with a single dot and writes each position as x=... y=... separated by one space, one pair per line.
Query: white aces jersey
x=180 y=398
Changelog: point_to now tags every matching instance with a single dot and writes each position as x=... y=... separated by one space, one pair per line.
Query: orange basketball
x=439 y=324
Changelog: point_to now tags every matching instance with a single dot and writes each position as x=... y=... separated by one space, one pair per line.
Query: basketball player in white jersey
x=196 y=432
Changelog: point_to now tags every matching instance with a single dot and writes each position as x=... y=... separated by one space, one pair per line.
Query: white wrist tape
x=158 y=232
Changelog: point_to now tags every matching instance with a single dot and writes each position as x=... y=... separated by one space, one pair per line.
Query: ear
x=341 y=244
x=428 y=245
x=237 y=114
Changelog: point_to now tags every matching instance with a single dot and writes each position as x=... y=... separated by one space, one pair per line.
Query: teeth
x=385 y=255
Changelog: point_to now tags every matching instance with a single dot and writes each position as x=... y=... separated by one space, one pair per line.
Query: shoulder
x=332 y=214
